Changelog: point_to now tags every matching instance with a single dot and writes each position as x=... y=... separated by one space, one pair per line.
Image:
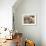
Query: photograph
x=29 y=20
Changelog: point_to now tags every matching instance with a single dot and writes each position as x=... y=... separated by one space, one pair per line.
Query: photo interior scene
x=22 y=22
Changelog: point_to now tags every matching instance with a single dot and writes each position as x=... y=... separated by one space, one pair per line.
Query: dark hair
x=34 y=44
x=32 y=16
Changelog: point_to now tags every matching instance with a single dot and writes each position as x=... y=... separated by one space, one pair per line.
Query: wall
x=29 y=32
x=43 y=22
x=6 y=13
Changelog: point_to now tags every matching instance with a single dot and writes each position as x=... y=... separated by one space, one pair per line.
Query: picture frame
x=29 y=19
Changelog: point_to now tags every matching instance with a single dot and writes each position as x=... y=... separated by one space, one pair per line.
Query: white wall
x=30 y=32
x=43 y=22
x=6 y=13
x=38 y=32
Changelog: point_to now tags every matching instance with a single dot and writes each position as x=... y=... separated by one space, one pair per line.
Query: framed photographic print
x=29 y=19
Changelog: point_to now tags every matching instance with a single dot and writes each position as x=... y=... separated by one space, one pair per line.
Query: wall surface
x=29 y=32
x=43 y=22
x=6 y=13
